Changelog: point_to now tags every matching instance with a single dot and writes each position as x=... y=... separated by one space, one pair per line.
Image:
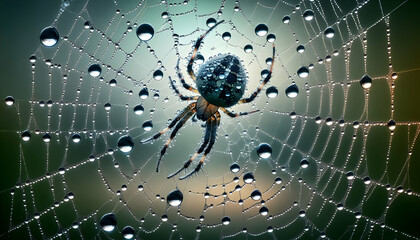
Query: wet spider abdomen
x=222 y=80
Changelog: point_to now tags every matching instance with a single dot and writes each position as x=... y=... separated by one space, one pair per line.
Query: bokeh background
x=332 y=90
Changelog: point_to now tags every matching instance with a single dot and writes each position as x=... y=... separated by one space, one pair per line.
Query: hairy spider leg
x=208 y=149
x=173 y=134
x=177 y=118
x=254 y=95
x=234 y=115
x=197 y=46
x=181 y=78
x=209 y=126
x=182 y=97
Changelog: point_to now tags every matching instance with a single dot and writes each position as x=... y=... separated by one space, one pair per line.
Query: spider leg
x=209 y=126
x=233 y=115
x=173 y=134
x=208 y=149
x=182 y=97
x=197 y=45
x=254 y=95
x=172 y=124
x=181 y=78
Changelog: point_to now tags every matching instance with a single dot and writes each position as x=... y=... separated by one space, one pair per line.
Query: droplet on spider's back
x=49 y=36
x=264 y=150
x=261 y=30
x=145 y=32
x=125 y=144
x=108 y=222
x=175 y=198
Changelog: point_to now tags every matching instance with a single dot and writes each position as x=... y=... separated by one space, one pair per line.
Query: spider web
x=358 y=183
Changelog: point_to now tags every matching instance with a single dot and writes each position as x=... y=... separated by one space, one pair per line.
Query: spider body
x=222 y=80
x=221 y=83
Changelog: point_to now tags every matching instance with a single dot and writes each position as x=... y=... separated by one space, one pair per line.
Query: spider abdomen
x=222 y=80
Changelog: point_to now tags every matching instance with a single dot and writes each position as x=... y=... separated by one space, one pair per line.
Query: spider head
x=222 y=80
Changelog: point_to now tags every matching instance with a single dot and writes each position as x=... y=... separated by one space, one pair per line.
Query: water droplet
x=113 y=83
x=235 y=167
x=9 y=101
x=107 y=106
x=164 y=218
x=248 y=48
x=271 y=38
x=138 y=110
x=261 y=30
x=147 y=126
x=256 y=195
x=158 y=75
x=248 y=177
x=175 y=198
x=366 y=180
x=308 y=15
x=302 y=213
x=300 y=49
x=199 y=59
x=269 y=61
x=108 y=222
x=95 y=70
x=391 y=125
x=286 y=19
x=264 y=211
x=366 y=82
x=32 y=59
x=226 y=220
x=264 y=150
x=125 y=144
x=304 y=163
x=76 y=138
x=86 y=25
x=303 y=72
x=350 y=175
x=272 y=92
x=128 y=232
x=26 y=136
x=264 y=73
x=226 y=36
x=46 y=137
x=145 y=32
x=277 y=180
x=329 y=32
x=292 y=91
x=211 y=22
x=49 y=36
x=164 y=15
x=144 y=93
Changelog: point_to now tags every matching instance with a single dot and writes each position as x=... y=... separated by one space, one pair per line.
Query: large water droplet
x=145 y=32
x=49 y=36
x=226 y=36
x=261 y=30
x=264 y=150
x=158 y=75
x=303 y=72
x=226 y=220
x=304 y=163
x=211 y=22
x=26 y=135
x=235 y=167
x=300 y=49
x=128 y=232
x=125 y=144
x=308 y=15
x=391 y=125
x=366 y=82
x=76 y=138
x=95 y=70
x=144 y=93
x=108 y=222
x=292 y=91
x=147 y=126
x=256 y=195
x=248 y=48
x=271 y=38
x=264 y=211
x=329 y=32
x=9 y=101
x=272 y=92
x=138 y=110
x=175 y=198
x=286 y=19
x=248 y=177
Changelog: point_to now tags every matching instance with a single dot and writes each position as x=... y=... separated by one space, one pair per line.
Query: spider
x=221 y=83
